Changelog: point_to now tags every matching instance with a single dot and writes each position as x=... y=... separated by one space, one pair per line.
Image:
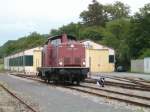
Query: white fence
x=141 y=65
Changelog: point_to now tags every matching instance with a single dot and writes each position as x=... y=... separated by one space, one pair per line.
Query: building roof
x=23 y=51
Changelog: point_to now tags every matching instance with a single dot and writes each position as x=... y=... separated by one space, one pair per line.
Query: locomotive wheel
x=78 y=82
x=72 y=82
x=40 y=73
x=45 y=80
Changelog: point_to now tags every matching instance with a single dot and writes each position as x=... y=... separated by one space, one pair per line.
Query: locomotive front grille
x=66 y=61
x=77 y=61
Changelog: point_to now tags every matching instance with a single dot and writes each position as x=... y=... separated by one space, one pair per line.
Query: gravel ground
x=101 y=100
x=10 y=104
x=51 y=99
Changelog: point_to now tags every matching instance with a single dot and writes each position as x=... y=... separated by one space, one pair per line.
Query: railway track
x=19 y=99
x=131 y=80
x=131 y=99
x=109 y=94
x=116 y=92
x=122 y=85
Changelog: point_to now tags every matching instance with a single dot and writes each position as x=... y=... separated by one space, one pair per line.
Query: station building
x=99 y=58
x=26 y=61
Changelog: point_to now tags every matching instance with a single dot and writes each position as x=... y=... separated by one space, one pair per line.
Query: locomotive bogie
x=62 y=74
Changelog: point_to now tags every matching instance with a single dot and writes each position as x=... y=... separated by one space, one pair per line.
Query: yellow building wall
x=37 y=59
x=98 y=60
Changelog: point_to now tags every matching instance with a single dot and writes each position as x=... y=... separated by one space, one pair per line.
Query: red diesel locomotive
x=63 y=60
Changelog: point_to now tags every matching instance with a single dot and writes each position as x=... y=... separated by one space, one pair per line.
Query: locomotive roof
x=58 y=36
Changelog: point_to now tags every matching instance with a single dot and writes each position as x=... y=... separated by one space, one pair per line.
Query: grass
x=1 y=67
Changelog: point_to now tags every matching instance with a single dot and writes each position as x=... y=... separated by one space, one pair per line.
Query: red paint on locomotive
x=63 y=59
x=62 y=51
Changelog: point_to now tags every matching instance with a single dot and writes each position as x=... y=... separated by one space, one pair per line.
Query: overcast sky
x=21 y=17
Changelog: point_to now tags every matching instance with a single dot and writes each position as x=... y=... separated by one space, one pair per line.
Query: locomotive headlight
x=84 y=63
x=60 y=63
x=71 y=45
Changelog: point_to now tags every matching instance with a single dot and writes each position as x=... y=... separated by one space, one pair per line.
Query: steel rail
x=109 y=97
x=12 y=94
x=116 y=92
x=122 y=85
x=96 y=94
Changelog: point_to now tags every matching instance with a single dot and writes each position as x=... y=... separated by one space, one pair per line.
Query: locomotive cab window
x=71 y=40
x=55 y=42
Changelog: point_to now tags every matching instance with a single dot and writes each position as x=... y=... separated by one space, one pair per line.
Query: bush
x=1 y=67
x=145 y=53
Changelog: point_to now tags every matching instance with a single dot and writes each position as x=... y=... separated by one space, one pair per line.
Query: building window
x=17 y=61
x=28 y=60
x=111 y=59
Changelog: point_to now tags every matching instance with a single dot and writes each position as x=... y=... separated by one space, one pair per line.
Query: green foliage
x=80 y=31
x=55 y=32
x=117 y=31
x=94 y=15
x=139 y=39
x=117 y=10
x=93 y=33
x=1 y=67
x=145 y=53
x=111 y=25
x=32 y=40
x=98 y=14
x=70 y=29
x=1 y=61
x=115 y=35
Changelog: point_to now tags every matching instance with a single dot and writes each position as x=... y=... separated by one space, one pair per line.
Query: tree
x=80 y=31
x=115 y=35
x=30 y=41
x=98 y=14
x=94 y=33
x=70 y=29
x=145 y=53
x=94 y=15
x=55 y=32
x=139 y=39
x=117 y=10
